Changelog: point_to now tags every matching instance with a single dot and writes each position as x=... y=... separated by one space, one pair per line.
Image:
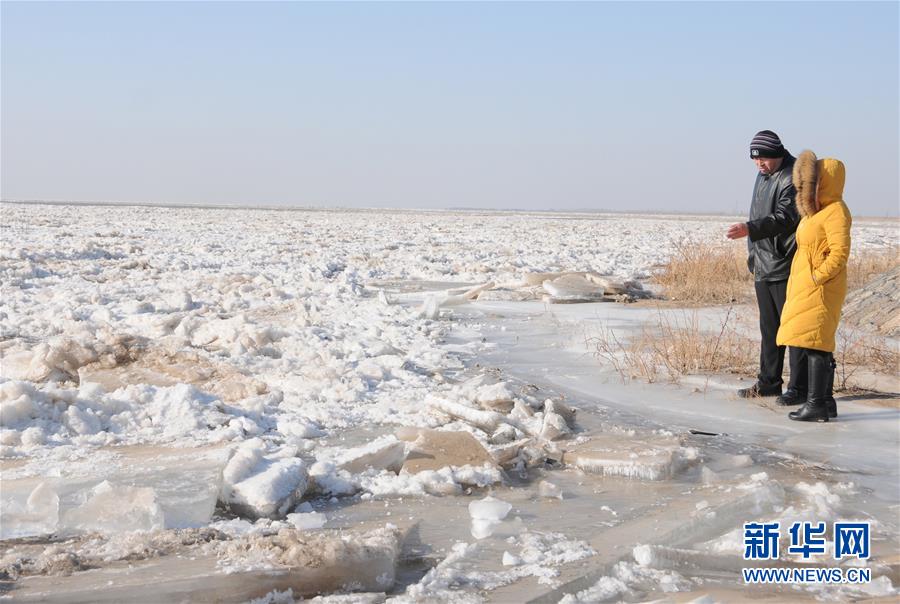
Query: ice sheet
x=162 y=328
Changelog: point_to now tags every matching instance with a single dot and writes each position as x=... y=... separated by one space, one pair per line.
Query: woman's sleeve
x=837 y=235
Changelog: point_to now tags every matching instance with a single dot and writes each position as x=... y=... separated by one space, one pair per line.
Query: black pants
x=770 y=297
x=799 y=369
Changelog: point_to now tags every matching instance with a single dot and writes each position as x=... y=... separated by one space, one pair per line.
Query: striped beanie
x=766 y=144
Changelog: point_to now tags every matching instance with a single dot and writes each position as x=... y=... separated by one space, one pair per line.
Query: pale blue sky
x=623 y=106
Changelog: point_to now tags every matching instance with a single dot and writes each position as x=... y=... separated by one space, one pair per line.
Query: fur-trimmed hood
x=819 y=182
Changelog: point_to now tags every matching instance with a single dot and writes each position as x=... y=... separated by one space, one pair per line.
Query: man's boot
x=830 y=403
x=798 y=386
x=757 y=390
x=791 y=396
x=815 y=409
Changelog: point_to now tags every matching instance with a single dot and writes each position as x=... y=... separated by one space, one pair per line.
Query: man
x=771 y=246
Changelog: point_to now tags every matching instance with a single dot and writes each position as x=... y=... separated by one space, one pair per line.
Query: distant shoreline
x=582 y=213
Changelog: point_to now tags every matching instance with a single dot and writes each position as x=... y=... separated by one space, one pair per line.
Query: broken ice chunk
x=39 y=515
x=326 y=478
x=115 y=508
x=554 y=426
x=257 y=486
x=521 y=411
x=433 y=450
x=307 y=521
x=178 y=301
x=489 y=508
x=58 y=359
x=474 y=292
x=482 y=528
x=509 y=453
x=507 y=295
x=573 y=288
x=185 y=484
x=486 y=514
x=241 y=464
x=82 y=421
x=560 y=408
x=298 y=429
x=496 y=397
x=511 y=560
x=739 y=461
x=430 y=309
x=537 y=278
x=273 y=489
x=33 y=436
x=310 y=563
x=612 y=287
x=707 y=476
x=17 y=403
x=486 y=420
x=643 y=554
x=549 y=490
x=649 y=458
x=504 y=434
x=386 y=453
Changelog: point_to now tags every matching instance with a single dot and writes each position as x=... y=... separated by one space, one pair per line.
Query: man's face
x=767 y=165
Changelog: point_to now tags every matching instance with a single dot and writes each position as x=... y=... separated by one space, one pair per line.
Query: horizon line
x=312 y=208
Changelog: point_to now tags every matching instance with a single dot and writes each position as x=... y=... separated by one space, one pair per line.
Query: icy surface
x=158 y=360
x=626 y=580
x=550 y=490
x=534 y=555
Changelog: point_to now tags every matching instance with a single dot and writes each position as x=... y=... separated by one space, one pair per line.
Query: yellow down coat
x=818 y=282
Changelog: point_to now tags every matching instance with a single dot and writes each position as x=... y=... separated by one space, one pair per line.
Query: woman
x=818 y=281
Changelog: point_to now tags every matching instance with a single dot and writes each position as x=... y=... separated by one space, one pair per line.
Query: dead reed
x=865 y=265
x=707 y=273
x=714 y=273
x=857 y=352
x=676 y=344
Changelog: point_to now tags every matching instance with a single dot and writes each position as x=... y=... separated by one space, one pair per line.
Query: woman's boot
x=815 y=408
x=830 y=403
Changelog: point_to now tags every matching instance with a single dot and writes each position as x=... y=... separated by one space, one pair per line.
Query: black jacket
x=773 y=222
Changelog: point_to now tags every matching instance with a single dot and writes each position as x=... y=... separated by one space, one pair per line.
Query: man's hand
x=737 y=230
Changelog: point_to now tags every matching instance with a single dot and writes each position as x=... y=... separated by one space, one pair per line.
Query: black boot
x=798 y=386
x=791 y=396
x=830 y=403
x=815 y=409
x=757 y=390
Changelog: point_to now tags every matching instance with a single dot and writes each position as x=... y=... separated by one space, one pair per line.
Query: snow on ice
x=171 y=383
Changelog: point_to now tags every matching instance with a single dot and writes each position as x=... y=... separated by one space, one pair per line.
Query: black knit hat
x=766 y=144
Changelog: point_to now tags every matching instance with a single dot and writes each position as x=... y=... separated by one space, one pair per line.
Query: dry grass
x=677 y=345
x=705 y=273
x=713 y=273
x=857 y=351
x=864 y=266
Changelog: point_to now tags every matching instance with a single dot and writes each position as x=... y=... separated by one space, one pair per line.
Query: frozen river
x=224 y=404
